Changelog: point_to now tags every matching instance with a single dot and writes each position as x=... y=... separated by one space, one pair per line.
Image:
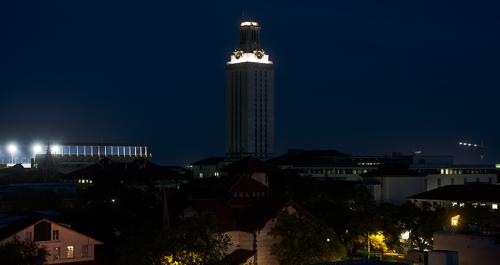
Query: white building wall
x=240 y=240
x=396 y=190
x=265 y=242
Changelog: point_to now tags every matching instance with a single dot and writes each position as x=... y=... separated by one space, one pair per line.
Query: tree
x=16 y=252
x=193 y=240
x=304 y=241
x=422 y=222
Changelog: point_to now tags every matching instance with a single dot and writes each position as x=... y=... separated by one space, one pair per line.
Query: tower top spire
x=249 y=36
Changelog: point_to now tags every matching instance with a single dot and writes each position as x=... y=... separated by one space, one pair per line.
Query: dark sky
x=366 y=77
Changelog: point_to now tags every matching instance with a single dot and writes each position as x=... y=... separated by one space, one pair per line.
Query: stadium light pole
x=12 y=149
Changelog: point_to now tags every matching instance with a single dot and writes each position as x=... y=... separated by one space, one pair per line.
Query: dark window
x=42 y=231
x=85 y=250
x=55 y=235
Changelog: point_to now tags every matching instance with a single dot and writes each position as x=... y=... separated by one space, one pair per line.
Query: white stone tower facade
x=249 y=98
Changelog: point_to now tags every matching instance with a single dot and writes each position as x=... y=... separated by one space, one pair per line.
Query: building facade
x=249 y=98
x=63 y=244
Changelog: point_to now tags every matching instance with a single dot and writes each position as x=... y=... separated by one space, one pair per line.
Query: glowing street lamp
x=12 y=149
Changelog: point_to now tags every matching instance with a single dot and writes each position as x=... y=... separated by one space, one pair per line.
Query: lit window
x=70 y=252
x=462 y=204
x=494 y=206
x=55 y=235
x=454 y=204
x=455 y=220
x=201 y=175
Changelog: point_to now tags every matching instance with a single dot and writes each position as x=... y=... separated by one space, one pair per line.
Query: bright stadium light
x=12 y=149
x=55 y=149
x=37 y=149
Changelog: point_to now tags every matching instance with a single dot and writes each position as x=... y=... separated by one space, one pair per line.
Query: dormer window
x=55 y=235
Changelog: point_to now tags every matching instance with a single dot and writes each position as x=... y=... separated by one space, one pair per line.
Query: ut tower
x=249 y=98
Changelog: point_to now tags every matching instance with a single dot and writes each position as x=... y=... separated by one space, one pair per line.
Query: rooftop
x=469 y=193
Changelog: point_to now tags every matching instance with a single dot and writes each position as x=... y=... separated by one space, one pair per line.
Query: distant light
x=497 y=165
x=327 y=240
x=12 y=148
x=113 y=200
x=494 y=206
x=37 y=149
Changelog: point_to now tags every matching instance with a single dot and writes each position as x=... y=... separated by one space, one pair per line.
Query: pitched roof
x=311 y=157
x=469 y=192
x=209 y=161
x=249 y=165
x=140 y=169
x=239 y=256
x=247 y=219
x=19 y=223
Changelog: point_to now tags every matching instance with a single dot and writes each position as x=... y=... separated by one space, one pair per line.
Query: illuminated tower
x=249 y=98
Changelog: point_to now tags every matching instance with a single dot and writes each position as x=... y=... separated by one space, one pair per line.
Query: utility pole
x=368 y=242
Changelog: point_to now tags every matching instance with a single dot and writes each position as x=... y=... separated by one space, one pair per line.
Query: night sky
x=365 y=77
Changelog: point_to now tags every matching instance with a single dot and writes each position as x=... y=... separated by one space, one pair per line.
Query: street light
x=12 y=149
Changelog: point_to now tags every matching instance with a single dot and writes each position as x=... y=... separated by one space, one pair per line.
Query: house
x=245 y=209
x=248 y=228
x=63 y=244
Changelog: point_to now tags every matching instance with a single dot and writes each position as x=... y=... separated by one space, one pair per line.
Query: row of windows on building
x=452 y=171
x=42 y=237
x=85 y=181
x=248 y=194
x=466 y=180
x=70 y=252
x=334 y=171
